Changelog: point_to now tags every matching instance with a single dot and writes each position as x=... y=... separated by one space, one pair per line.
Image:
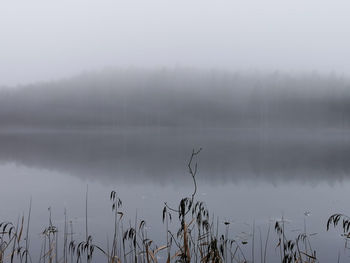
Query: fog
x=180 y=98
x=114 y=95
x=140 y=125
x=46 y=40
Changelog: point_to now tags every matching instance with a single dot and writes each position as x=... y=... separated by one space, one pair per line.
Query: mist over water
x=140 y=125
x=109 y=95
x=273 y=145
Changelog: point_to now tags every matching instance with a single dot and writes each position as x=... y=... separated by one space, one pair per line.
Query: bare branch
x=193 y=171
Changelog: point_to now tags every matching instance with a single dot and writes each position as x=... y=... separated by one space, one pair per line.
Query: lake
x=245 y=176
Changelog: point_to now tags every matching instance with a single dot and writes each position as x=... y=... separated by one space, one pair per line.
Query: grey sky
x=48 y=39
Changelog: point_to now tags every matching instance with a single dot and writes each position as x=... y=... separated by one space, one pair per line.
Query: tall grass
x=199 y=237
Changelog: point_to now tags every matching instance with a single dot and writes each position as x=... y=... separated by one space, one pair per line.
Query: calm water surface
x=245 y=176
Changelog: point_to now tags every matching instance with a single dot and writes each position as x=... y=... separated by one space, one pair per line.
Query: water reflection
x=241 y=204
x=147 y=166
x=159 y=155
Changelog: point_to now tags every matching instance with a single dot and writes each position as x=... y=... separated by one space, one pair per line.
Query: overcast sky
x=49 y=39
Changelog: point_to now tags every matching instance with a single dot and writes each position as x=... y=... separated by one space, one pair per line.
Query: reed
x=199 y=237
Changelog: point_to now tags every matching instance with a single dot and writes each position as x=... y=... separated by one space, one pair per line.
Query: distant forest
x=180 y=98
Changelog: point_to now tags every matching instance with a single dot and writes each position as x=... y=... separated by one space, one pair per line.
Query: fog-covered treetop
x=180 y=97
